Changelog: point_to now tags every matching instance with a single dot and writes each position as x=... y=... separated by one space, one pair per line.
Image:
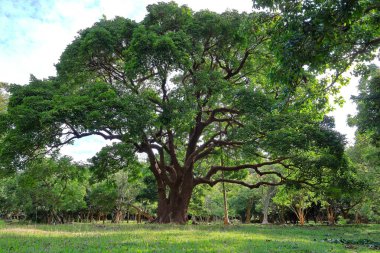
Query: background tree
x=365 y=158
x=53 y=188
x=245 y=202
x=270 y=191
x=102 y=197
x=10 y=204
x=298 y=200
x=365 y=153
x=367 y=102
x=181 y=85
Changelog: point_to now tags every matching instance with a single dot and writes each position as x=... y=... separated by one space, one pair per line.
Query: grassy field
x=200 y=238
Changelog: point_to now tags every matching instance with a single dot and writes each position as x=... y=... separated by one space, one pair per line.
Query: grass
x=171 y=238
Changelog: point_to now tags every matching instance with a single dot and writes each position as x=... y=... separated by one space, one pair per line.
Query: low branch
x=232 y=181
x=215 y=169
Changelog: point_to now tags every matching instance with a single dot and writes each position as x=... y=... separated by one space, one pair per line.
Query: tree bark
x=266 y=201
x=330 y=215
x=117 y=216
x=173 y=209
x=248 y=211
x=173 y=206
x=358 y=218
x=301 y=215
x=226 y=221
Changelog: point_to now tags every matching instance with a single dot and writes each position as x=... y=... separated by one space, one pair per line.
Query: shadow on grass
x=169 y=238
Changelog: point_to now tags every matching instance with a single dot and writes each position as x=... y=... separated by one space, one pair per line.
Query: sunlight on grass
x=170 y=238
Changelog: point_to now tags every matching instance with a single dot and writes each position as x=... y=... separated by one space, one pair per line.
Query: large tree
x=183 y=86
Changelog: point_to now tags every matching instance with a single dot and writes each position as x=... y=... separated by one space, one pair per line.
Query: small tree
x=296 y=199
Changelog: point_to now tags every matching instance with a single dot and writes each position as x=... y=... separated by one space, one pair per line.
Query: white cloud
x=341 y=113
x=85 y=148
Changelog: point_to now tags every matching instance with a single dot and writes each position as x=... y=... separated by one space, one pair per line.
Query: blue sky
x=34 y=33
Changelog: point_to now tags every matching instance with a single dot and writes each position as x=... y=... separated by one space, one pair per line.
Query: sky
x=34 y=33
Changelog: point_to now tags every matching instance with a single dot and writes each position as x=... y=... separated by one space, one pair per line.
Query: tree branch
x=232 y=181
x=215 y=169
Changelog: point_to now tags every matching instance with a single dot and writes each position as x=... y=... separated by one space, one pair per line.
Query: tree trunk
x=345 y=213
x=174 y=199
x=248 y=211
x=226 y=221
x=173 y=209
x=268 y=196
x=300 y=213
x=301 y=216
x=265 y=217
x=330 y=215
x=281 y=215
x=117 y=216
x=174 y=190
x=358 y=218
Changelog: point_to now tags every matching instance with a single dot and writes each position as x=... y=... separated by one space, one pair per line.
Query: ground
x=131 y=237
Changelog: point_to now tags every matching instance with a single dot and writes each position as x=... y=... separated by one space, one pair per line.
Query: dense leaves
x=368 y=105
x=183 y=86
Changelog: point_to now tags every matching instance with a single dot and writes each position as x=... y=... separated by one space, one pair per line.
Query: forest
x=213 y=118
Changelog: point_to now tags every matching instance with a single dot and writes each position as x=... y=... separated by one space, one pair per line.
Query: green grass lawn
x=170 y=238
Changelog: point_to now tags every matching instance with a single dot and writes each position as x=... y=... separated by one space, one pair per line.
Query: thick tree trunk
x=174 y=186
x=172 y=207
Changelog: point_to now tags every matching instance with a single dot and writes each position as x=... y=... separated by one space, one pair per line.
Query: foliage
x=296 y=199
x=49 y=186
x=9 y=202
x=102 y=197
x=368 y=105
x=183 y=89
x=333 y=33
x=365 y=157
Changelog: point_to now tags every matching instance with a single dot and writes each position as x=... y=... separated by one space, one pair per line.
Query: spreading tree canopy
x=186 y=88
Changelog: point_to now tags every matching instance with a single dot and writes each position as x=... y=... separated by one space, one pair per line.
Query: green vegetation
x=203 y=238
x=188 y=88
x=214 y=117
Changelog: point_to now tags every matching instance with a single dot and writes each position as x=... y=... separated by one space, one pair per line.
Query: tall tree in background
x=368 y=105
x=181 y=85
x=365 y=154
